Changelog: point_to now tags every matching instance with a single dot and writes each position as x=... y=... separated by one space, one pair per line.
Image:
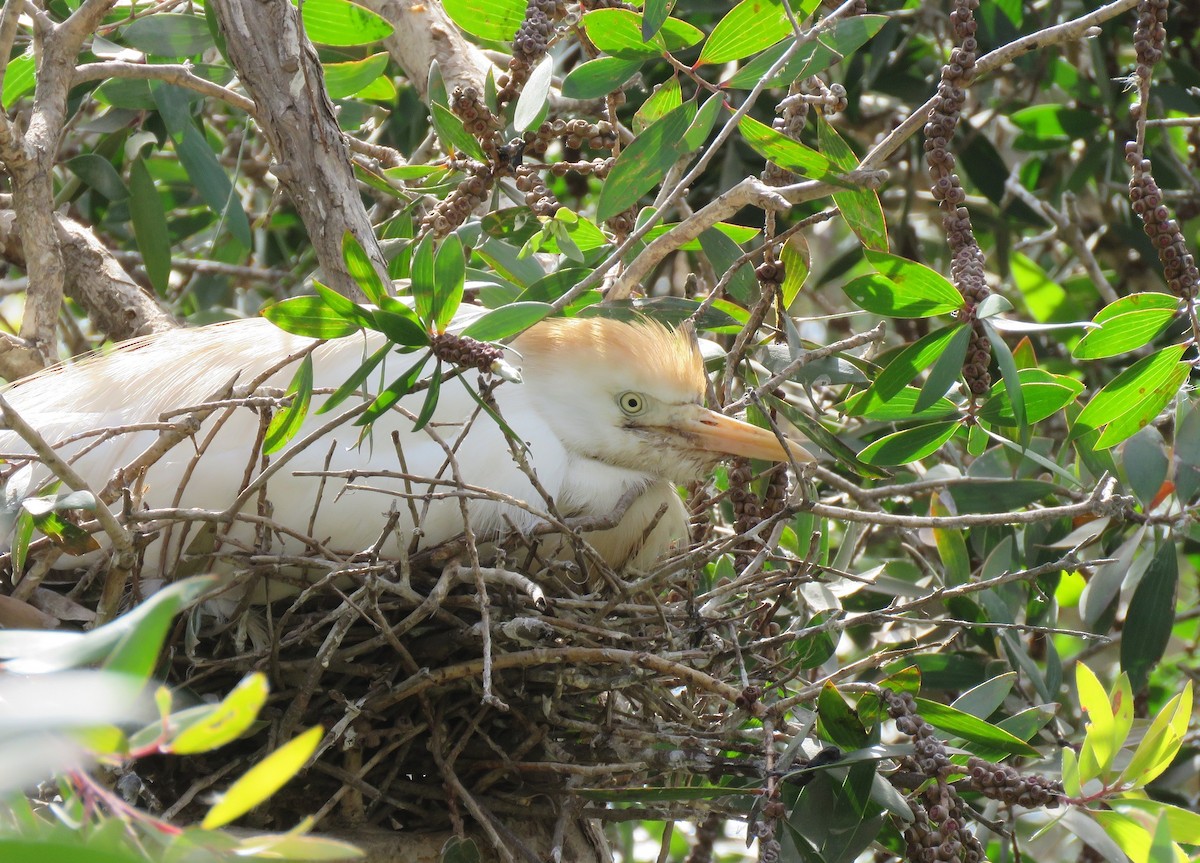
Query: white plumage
x=605 y=407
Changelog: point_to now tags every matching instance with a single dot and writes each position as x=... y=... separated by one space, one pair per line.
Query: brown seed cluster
x=537 y=197
x=938 y=831
x=464 y=351
x=1146 y=198
x=793 y=113
x=477 y=118
x=1003 y=783
x=966 y=258
x=457 y=207
x=529 y=45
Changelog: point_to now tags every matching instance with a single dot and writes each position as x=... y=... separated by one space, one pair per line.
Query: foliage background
x=1012 y=498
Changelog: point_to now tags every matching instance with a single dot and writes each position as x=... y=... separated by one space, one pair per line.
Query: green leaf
x=452 y=133
x=149 y=225
x=1099 y=744
x=129 y=645
x=907 y=365
x=833 y=45
x=746 y=29
x=263 y=779
x=783 y=151
x=946 y=370
x=597 y=78
x=619 y=32
x=909 y=445
x=99 y=174
x=1053 y=126
x=507 y=320
x=971 y=728
x=392 y=393
x=952 y=549
x=839 y=723
x=1012 y=380
x=643 y=164
x=654 y=14
x=449 y=279
x=400 y=324
x=342 y=23
x=310 y=317
x=531 y=104
x=706 y=119
x=1045 y=395
x=665 y=99
x=344 y=306
x=212 y=183
x=900 y=407
x=859 y=207
x=1185 y=824
x=423 y=281
x=169 y=35
x=1132 y=387
x=360 y=268
x=287 y=420
x=294 y=846
x=355 y=381
x=19 y=79
x=1151 y=615
x=228 y=721
x=343 y=80
x=985 y=699
x=492 y=20
x=1137 y=303
x=1144 y=412
x=1123 y=333
x=431 y=398
x=797 y=265
x=1161 y=742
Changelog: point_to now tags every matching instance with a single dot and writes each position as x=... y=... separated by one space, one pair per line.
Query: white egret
x=605 y=407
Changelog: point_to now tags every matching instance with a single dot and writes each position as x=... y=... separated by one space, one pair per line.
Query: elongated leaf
x=452 y=133
x=342 y=23
x=287 y=420
x=130 y=644
x=746 y=29
x=654 y=14
x=531 y=104
x=1150 y=617
x=424 y=285
x=149 y=225
x=835 y=44
x=493 y=20
x=98 y=173
x=599 y=77
x=946 y=370
x=1161 y=741
x=169 y=35
x=909 y=445
x=971 y=728
x=1146 y=409
x=19 y=78
x=666 y=98
x=1099 y=744
x=431 y=398
x=1124 y=393
x=309 y=316
x=1123 y=333
x=507 y=320
x=228 y=721
x=1136 y=303
x=642 y=165
x=263 y=779
x=859 y=207
x=343 y=306
x=902 y=406
x=355 y=381
x=907 y=365
x=619 y=32
x=1011 y=377
x=343 y=80
x=449 y=278
x=782 y=150
x=391 y=394
x=706 y=119
x=212 y=183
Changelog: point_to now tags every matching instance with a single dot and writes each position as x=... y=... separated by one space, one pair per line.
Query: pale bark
x=280 y=70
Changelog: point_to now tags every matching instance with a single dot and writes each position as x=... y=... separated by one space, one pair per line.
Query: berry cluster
x=464 y=351
x=1179 y=266
x=938 y=830
x=537 y=197
x=457 y=207
x=529 y=45
x=1003 y=783
x=966 y=258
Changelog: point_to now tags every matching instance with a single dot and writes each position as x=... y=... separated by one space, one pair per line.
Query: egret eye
x=631 y=404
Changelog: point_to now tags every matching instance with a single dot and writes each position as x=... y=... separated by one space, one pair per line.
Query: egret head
x=632 y=395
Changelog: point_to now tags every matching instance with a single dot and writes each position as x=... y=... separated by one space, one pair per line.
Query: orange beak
x=716 y=432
